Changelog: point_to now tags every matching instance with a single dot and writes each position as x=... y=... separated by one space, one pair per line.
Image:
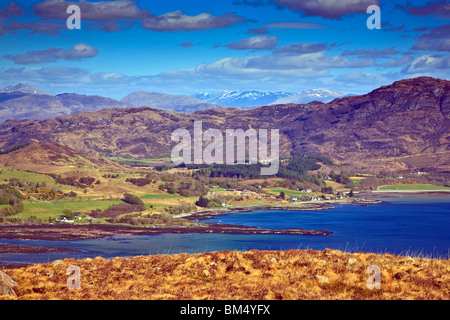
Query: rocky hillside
x=400 y=126
x=52 y=158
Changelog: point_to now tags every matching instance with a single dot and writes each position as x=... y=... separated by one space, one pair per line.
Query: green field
x=7 y=173
x=160 y=196
x=357 y=180
x=414 y=187
x=44 y=210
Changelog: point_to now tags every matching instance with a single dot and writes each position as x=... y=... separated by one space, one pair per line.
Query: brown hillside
x=230 y=275
x=52 y=158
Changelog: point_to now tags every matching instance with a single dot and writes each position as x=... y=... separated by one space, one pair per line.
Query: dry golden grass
x=253 y=275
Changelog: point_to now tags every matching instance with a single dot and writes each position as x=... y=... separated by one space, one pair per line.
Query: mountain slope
x=400 y=126
x=253 y=99
x=307 y=96
x=24 y=88
x=245 y=99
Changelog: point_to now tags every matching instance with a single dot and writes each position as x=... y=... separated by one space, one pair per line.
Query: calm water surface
x=419 y=226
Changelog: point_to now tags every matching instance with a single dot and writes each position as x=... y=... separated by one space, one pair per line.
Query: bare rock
x=7 y=285
x=322 y=279
x=57 y=262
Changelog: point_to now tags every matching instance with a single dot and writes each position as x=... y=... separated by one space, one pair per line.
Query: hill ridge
x=400 y=126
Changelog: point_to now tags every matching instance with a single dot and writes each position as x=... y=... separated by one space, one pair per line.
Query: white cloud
x=427 y=64
x=254 y=43
x=77 y=52
x=178 y=21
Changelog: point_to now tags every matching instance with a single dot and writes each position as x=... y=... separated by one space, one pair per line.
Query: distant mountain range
x=168 y=102
x=307 y=96
x=26 y=102
x=252 y=99
x=23 y=101
x=243 y=99
x=23 y=88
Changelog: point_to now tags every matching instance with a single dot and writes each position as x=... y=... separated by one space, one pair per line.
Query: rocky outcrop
x=7 y=285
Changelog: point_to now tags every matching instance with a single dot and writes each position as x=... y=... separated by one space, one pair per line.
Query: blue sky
x=186 y=47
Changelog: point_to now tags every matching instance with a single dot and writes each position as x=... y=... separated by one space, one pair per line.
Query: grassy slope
x=7 y=173
x=44 y=210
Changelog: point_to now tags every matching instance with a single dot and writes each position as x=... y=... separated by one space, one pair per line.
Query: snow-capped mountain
x=23 y=88
x=168 y=102
x=244 y=99
x=307 y=96
x=204 y=96
x=253 y=99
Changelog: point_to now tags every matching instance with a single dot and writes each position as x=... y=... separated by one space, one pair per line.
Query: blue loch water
x=405 y=226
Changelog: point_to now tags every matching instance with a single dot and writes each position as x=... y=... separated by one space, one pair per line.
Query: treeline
x=183 y=208
x=186 y=187
x=216 y=200
x=82 y=182
x=342 y=178
x=139 y=182
x=41 y=190
x=13 y=198
x=294 y=168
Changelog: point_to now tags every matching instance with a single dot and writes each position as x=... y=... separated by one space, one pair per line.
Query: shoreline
x=67 y=232
x=299 y=206
x=74 y=232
